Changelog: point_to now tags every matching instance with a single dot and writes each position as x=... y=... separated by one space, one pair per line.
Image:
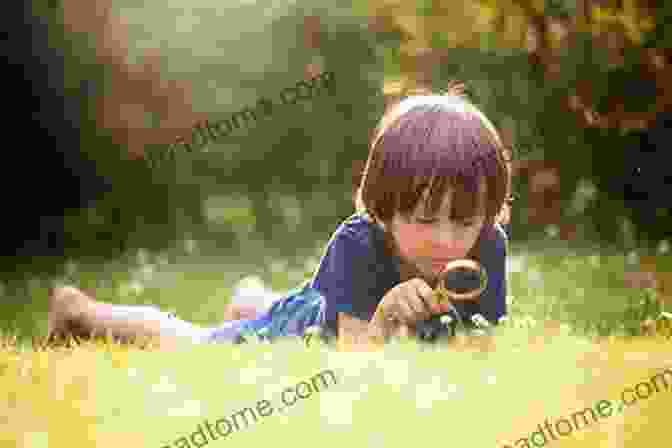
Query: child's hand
x=408 y=303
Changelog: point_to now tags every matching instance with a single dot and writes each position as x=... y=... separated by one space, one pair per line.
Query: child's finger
x=418 y=305
x=403 y=331
x=405 y=312
x=430 y=299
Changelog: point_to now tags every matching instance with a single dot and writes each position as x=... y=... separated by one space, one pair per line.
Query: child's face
x=430 y=242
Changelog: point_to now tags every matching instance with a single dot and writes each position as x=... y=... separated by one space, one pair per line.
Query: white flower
x=190 y=246
x=663 y=247
x=446 y=319
x=142 y=256
x=480 y=321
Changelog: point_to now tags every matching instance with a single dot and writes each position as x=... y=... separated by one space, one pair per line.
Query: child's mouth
x=438 y=265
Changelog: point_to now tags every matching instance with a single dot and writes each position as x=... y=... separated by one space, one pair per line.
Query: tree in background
x=585 y=59
x=548 y=74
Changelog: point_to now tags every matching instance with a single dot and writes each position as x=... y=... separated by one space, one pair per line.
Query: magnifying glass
x=462 y=279
x=459 y=281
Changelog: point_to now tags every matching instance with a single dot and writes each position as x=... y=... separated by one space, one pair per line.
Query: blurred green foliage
x=293 y=169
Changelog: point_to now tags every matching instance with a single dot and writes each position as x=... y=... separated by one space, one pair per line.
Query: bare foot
x=67 y=308
x=640 y=279
x=74 y=313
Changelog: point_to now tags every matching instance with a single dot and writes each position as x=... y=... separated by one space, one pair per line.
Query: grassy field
x=573 y=337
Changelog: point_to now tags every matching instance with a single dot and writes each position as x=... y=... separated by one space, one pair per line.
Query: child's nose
x=447 y=239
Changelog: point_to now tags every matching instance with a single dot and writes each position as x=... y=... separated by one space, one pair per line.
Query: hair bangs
x=427 y=145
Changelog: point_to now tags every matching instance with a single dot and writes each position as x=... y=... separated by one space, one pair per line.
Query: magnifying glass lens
x=463 y=279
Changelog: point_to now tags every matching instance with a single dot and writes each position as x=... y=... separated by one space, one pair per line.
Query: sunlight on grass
x=574 y=336
x=95 y=395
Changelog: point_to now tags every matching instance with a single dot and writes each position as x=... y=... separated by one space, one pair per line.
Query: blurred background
x=581 y=90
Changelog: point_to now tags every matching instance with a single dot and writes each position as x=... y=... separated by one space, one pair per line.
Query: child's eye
x=425 y=220
x=434 y=220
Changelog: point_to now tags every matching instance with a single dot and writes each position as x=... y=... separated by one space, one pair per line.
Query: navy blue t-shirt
x=357 y=270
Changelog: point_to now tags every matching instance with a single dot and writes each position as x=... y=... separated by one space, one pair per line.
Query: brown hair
x=434 y=140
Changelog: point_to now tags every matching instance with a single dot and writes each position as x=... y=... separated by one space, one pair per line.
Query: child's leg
x=238 y=311
x=291 y=315
x=73 y=312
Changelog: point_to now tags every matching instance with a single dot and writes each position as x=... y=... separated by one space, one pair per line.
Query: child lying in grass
x=434 y=190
